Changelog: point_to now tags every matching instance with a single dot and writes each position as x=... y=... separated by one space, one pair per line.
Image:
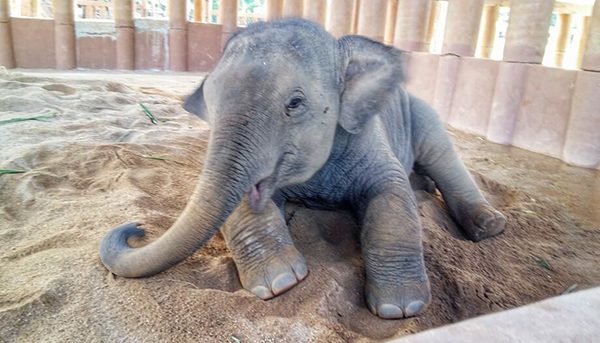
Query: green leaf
x=543 y=263
x=44 y=117
x=235 y=339
x=160 y=158
x=11 y=171
x=149 y=114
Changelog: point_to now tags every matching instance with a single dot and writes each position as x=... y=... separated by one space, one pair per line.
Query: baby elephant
x=296 y=114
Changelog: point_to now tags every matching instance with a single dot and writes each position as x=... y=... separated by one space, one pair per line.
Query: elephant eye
x=295 y=103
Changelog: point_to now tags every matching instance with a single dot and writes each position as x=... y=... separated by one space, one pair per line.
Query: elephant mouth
x=260 y=193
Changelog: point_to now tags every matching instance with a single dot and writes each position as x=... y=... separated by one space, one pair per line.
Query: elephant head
x=274 y=103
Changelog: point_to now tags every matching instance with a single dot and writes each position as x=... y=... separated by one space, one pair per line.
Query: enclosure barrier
x=573 y=317
x=514 y=101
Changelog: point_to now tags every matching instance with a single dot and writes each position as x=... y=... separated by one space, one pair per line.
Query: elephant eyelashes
x=295 y=105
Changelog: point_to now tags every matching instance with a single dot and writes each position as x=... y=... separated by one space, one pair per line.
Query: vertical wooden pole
x=228 y=18
x=527 y=32
x=315 y=10
x=177 y=35
x=591 y=56
x=585 y=29
x=488 y=33
x=371 y=19
x=124 y=26
x=64 y=34
x=462 y=27
x=198 y=11
x=7 y=58
x=390 y=21
x=292 y=8
x=433 y=14
x=562 y=39
x=412 y=24
x=35 y=8
x=274 y=9
x=339 y=17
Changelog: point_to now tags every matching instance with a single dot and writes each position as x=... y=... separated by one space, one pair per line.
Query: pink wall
x=96 y=44
x=473 y=95
x=541 y=124
x=96 y=53
x=151 y=44
x=582 y=141
x=551 y=111
x=33 y=42
x=204 y=46
x=421 y=73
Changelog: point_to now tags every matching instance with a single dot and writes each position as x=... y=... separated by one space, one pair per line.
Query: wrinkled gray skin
x=297 y=114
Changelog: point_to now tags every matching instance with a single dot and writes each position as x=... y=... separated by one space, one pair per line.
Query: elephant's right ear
x=195 y=104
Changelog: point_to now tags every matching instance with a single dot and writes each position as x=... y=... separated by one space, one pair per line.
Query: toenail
x=262 y=292
x=414 y=308
x=389 y=311
x=283 y=282
x=300 y=270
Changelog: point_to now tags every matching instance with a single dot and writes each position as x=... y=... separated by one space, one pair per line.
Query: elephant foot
x=274 y=275
x=400 y=300
x=483 y=222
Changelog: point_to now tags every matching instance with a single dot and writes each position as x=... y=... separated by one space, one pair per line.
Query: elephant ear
x=370 y=73
x=195 y=104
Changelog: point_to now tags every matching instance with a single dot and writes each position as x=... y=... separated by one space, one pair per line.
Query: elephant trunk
x=226 y=176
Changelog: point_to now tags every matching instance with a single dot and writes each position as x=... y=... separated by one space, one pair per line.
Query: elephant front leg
x=396 y=281
x=267 y=261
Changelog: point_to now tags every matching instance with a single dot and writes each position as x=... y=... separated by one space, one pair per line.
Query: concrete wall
x=96 y=44
x=204 y=46
x=151 y=44
x=33 y=42
x=571 y=317
x=547 y=110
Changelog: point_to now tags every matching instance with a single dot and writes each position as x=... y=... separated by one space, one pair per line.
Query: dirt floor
x=99 y=162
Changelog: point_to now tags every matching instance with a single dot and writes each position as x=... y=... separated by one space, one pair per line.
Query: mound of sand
x=97 y=161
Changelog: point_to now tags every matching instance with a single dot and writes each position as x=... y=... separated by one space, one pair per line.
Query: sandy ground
x=90 y=168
